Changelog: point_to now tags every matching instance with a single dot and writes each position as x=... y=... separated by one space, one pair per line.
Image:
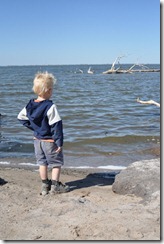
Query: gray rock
x=141 y=178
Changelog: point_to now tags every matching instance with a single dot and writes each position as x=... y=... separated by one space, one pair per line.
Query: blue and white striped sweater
x=43 y=118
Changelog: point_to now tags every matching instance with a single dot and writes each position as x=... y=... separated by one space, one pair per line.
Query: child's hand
x=58 y=149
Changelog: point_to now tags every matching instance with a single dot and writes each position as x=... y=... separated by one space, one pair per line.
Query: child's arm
x=22 y=117
x=57 y=131
x=56 y=125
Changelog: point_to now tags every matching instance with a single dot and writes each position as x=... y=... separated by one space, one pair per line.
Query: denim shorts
x=46 y=155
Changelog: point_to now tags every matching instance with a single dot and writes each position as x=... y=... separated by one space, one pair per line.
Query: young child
x=41 y=116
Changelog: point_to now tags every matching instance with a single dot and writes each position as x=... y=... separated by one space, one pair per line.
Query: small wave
x=111 y=167
x=4 y=162
x=28 y=164
x=80 y=167
x=125 y=139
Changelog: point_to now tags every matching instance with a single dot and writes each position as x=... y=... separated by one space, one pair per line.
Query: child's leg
x=57 y=186
x=43 y=168
x=43 y=172
x=56 y=173
x=44 y=177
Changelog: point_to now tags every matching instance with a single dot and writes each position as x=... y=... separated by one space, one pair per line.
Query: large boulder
x=141 y=178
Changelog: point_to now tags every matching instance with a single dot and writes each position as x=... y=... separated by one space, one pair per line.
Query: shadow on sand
x=93 y=179
x=2 y=182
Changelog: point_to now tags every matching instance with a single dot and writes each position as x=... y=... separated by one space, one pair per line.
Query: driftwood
x=148 y=102
x=112 y=70
x=144 y=68
x=90 y=71
x=79 y=71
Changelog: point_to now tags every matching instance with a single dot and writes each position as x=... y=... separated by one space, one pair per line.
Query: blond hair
x=43 y=82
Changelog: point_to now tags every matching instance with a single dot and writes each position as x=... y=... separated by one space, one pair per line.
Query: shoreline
x=110 y=162
x=90 y=211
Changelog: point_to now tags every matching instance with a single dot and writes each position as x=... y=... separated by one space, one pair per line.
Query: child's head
x=43 y=83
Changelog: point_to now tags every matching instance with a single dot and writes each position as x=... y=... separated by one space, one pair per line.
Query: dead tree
x=112 y=69
x=131 y=70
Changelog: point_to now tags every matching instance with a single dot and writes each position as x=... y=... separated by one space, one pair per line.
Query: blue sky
x=79 y=31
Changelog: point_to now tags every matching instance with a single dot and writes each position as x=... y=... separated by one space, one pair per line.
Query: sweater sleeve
x=56 y=125
x=22 y=117
x=57 y=131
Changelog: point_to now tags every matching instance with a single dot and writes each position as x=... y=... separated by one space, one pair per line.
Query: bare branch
x=148 y=102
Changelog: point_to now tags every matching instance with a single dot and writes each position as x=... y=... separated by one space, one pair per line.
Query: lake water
x=104 y=126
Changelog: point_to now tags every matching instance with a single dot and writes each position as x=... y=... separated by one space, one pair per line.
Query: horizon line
x=7 y=65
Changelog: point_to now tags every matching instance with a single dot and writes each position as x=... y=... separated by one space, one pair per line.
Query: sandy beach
x=90 y=211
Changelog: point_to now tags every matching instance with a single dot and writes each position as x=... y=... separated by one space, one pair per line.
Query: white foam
x=28 y=164
x=80 y=167
x=112 y=167
x=4 y=162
